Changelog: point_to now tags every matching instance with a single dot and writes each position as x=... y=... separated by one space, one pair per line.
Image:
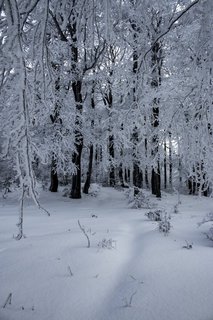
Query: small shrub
x=155 y=215
x=188 y=245
x=209 y=234
x=66 y=192
x=137 y=199
x=128 y=301
x=164 y=225
x=208 y=218
x=176 y=210
x=107 y=244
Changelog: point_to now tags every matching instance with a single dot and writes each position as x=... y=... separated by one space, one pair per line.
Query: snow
x=146 y=275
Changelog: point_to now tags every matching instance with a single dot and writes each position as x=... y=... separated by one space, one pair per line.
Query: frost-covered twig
x=188 y=245
x=8 y=300
x=207 y=218
x=23 y=145
x=70 y=271
x=128 y=302
x=84 y=232
x=169 y=27
x=107 y=244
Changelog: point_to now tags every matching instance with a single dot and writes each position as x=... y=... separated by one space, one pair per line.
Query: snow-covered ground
x=52 y=275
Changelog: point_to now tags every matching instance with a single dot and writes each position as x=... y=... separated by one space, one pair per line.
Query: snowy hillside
x=131 y=271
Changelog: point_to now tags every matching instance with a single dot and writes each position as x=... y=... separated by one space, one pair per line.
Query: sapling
x=128 y=302
x=208 y=218
x=188 y=245
x=70 y=271
x=107 y=244
x=164 y=225
x=155 y=215
x=133 y=278
x=8 y=300
x=84 y=232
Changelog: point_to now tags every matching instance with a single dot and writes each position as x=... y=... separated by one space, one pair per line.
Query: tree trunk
x=155 y=83
x=165 y=166
x=112 y=155
x=156 y=178
x=146 y=169
x=137 y=176
x=89 y=172
x=137 y=173
x=170 y=159
x=54 y=176
x=76 y=179
x=156 y=183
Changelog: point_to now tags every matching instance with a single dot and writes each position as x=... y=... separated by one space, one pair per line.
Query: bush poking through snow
x=66 y=192
x=8 y=300
x=70 y=271
x=162 y=218
x=164 y=225
x=137 y=199
x=107 y=244
x=128 y=302
x=208 y=218
x=155 y=215
x=188 y=245
x=176 y=210
x=209 y=234
x=84 y=232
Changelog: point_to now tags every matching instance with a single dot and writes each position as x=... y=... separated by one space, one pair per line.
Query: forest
x=114 y=92
x=104 y=98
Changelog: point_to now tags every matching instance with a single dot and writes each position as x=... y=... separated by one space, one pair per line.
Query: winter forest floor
x=52 y=275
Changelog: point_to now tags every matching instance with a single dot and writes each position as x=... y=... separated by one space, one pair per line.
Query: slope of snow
x=146 y=275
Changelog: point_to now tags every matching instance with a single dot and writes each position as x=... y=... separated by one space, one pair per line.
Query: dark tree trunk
x=137 y=172
x=146 y=169
x=170 y=159
x=137 y=176
x=156 y=82
x=156 y=183
x=165 y=166
x=76 y=87
x=55 y=118
x=112 y=155
x=54 y=177
x=89 y=172
x=156 y=178
x=108 y=101
x=91 y=151
x=76 y=178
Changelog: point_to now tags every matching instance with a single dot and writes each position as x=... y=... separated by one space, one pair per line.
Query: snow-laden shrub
x=208 y=218
x=137 y=199
x=162 y=218
x=94 y=190
x=66 y=192
x=209 y=234
x=154 y=215
x=164 y=225
x=188 y=245
x=107 y=244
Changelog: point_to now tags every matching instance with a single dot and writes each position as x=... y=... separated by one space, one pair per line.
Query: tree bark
x=89 y=172
x=165 y=166
x=156 y=82
x=54 y=176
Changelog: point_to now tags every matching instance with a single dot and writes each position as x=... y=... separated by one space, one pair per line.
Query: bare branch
x=60 y=32
x=170 y=26
x=84 y=232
